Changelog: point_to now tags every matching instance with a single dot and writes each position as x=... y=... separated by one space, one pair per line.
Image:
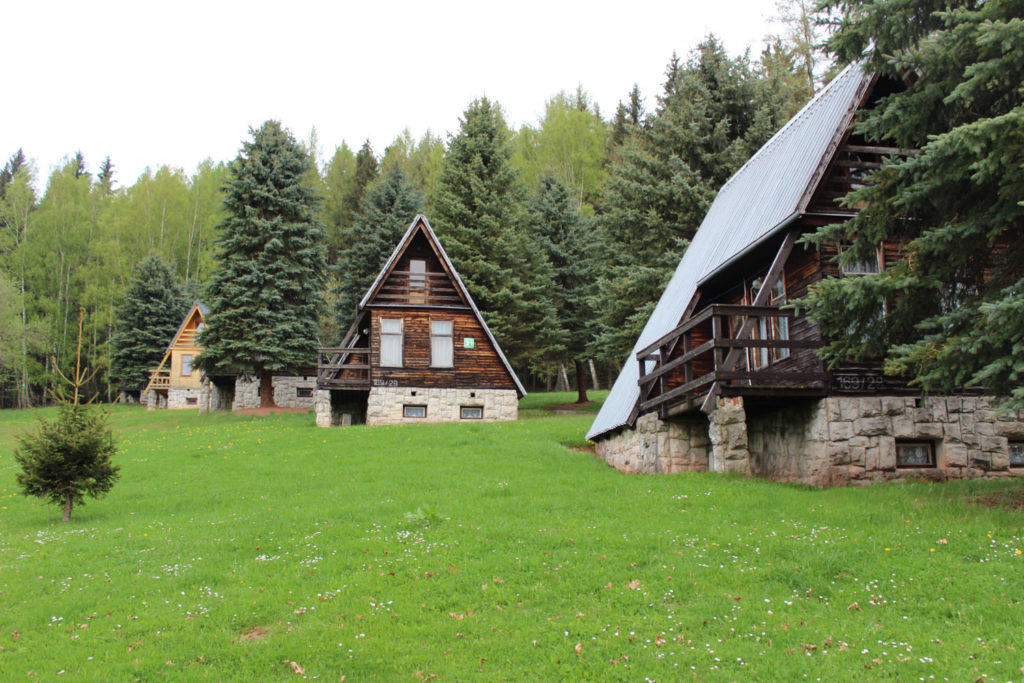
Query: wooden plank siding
x=478 y=367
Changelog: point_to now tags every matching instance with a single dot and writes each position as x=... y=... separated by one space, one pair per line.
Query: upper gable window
x=391 y=342
x=417 y=274
x=186 y=366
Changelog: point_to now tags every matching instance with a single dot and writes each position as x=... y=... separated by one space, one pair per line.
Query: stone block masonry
x=289 y=392
x=839 y=440
x=385 y=405
x=179 y=398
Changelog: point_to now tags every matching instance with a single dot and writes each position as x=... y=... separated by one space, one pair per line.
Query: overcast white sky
x=154 y=83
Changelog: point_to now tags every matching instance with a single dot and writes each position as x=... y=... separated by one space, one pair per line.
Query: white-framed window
x=773 y=327
x=414 y=411
x=391 y=342
x=442 y=349
x=915 y=454
x=1017 y=454
x=186 y=366
x=471 y=412
x=417 y=274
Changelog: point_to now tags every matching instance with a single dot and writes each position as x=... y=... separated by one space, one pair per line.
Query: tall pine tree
x=265 y=298
x=147 y=318
x=388 y=207
x=477 y=207
x=954 y=301
x=557 y=225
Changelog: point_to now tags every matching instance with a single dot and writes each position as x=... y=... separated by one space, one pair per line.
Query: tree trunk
x=67 y=509
x=581 y=382
x=266 y=389
x=593 y=374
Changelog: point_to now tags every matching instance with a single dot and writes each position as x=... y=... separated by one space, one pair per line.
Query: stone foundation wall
x=384 y=405
x=177 y=399
x=286 y=391
x=828 y=442
x=657 y=447
x=285 y=394
x=970 y=437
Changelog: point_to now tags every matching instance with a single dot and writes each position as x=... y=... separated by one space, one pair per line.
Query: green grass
x=234 y=545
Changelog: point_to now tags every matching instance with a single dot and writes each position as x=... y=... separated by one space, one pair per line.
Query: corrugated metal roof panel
x=760 y=197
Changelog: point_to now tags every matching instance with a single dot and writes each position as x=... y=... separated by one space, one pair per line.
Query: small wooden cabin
x=175 y=383
x=724 y=377
x=418 y=351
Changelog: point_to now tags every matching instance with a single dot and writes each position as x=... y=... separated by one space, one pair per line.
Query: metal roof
x=420 y=218
x=764 y=195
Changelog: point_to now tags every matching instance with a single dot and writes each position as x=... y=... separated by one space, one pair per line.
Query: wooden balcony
x=419 y=289
x=678 y=371
x=159 y=379
x=343 y=368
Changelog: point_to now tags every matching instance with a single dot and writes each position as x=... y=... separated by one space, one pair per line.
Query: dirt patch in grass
x=271 y=411
x=1012 y=500
x=583 y=449
x=254 y=633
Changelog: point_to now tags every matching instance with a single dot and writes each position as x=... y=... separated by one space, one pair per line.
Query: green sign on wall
x=467 y=342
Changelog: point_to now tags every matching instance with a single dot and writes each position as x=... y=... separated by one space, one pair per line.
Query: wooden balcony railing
x=159 y=379
x=340 y=368
x=684 y=365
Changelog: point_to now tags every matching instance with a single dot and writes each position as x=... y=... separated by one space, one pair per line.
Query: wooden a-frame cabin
x=724 y=377
x=175 y=383
x=418 y=351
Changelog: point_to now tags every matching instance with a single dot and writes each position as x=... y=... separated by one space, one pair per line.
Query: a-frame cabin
x=175 y=383
x=725 y=377
x=418 y=351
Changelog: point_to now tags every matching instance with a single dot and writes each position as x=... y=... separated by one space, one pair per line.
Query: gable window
x=441 y=345
x=391 y=342
x=471 y=412
x=186 y=366
x=1017 y=454
x=417 y=274
x=868 y=267
x=915 y=454
x=414 y=411
x=768 y=327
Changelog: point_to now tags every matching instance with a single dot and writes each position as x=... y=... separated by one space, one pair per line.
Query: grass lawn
x=262 y=548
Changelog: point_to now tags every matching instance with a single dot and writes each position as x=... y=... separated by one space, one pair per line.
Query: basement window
x=414 y=411
x=1017 y=454
x=471 y=412
x=915 y=454
x=191 y=401
x=303 y=392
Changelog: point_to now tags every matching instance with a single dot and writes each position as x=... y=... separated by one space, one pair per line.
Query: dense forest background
x=565 y=230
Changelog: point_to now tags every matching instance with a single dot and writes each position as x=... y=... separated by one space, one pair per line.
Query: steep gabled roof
x=420 y=225
x=762 y=197
x=203 y=312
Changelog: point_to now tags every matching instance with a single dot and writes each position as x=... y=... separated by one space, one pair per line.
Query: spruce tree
x=954 y=301
x=265 y=297
x=388 y=207
x=477 y=207
x=69 y=457
x=561 y=231
x=149 y=315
